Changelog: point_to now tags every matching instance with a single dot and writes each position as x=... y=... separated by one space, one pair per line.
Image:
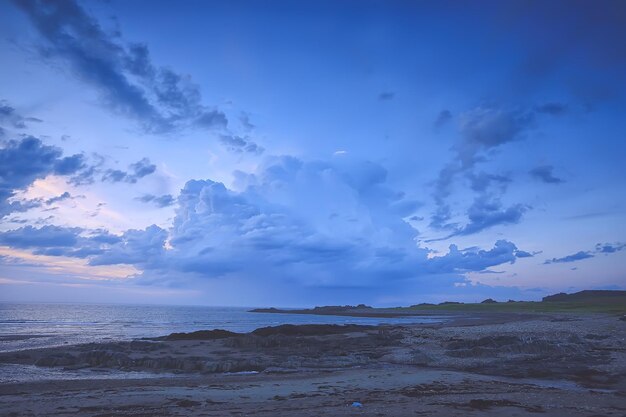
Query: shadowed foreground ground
x=484 y=364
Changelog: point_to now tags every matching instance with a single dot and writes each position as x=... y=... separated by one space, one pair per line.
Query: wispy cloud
x=600 y=248
x=158 y=98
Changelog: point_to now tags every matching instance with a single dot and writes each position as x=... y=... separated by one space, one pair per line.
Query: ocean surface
x=26 y=326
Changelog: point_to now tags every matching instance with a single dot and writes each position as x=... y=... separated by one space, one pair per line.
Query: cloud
x=138 y=170
x=54 y=240
x=593 y=70
x=46 y=236
x=386 y=96
x=239 y=144
x=443 y=118
x=482 y=130
x=474 y=259
x=211 y=119
x=552 y=109
x=159 y=201
x=88 y=173
x=135 y=247
x=244 y=119
x=482 y=181
x=26 y=160
x=485 y=213
x=69 y=165
x=66 y=195
x=610 y=247
x=8 y=115
x=142 y=168
x=544 y=173
x=600 y=248
x=274 y=229
x=578 y=256
x=275 y=225
x=160 y=99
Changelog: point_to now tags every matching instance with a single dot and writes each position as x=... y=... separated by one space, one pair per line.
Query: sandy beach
x=479 y=364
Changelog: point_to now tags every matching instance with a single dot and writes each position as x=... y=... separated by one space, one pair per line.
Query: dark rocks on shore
x=201 y=335
x=526 y=349
x=310 y=329
x=285 y=330
x=217 y=351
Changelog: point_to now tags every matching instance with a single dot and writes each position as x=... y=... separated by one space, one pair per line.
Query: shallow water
x=25 y=326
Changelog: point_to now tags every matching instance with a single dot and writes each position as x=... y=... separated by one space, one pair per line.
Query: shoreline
x=561 y=364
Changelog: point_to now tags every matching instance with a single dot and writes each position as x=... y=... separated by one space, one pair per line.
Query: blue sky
x=306 y=153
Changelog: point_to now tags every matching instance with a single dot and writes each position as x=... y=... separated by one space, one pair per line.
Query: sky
x=297 y=153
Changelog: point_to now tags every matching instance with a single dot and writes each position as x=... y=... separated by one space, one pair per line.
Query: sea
x=37 y=325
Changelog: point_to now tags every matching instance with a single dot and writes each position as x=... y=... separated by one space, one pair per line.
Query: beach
x=471 y=364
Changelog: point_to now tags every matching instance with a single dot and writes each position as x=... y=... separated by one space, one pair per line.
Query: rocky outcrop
x=201 y=335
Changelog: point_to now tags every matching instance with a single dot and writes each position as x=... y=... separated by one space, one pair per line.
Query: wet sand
x=495 y=364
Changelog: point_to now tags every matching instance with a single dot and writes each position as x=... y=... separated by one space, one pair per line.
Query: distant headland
x=600 y=301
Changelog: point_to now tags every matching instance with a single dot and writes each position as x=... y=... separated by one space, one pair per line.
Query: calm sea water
x=25 y=326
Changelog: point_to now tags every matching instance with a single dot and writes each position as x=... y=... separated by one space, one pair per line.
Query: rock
x=309 y=329
x=202 y=335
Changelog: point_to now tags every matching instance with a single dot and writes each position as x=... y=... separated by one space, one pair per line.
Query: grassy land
x=615 y=305
x=588 y=301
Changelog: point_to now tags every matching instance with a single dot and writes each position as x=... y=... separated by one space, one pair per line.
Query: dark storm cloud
x=26 y=160
x=161 y=201
x=160 y=99
x=544 y=173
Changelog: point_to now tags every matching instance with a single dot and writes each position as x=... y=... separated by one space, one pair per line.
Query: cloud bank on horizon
x=314 y=153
